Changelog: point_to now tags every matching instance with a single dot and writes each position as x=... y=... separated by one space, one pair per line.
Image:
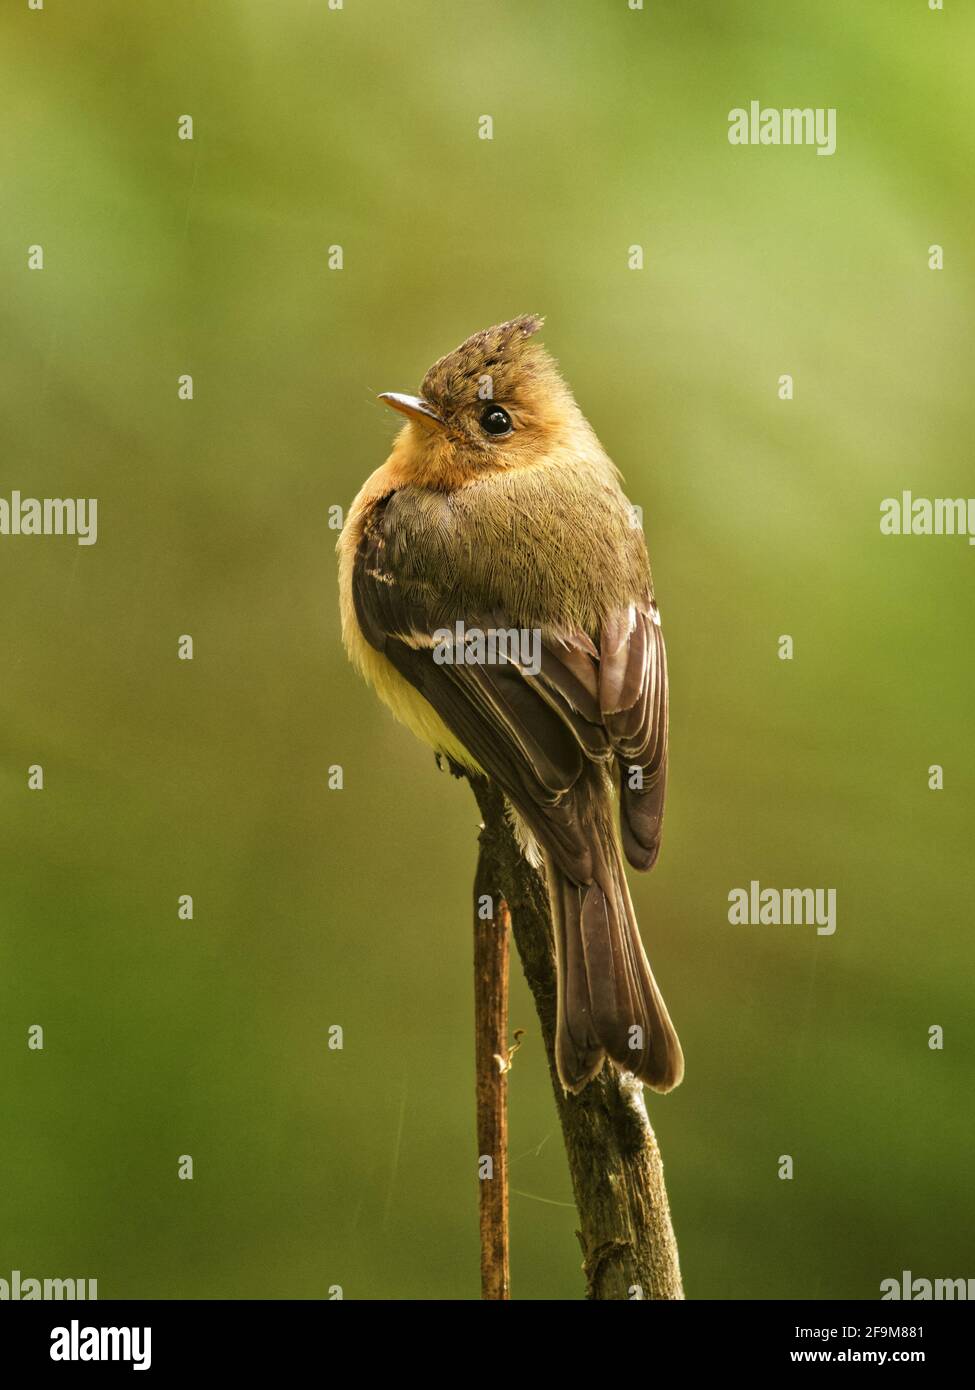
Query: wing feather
x=535 y=732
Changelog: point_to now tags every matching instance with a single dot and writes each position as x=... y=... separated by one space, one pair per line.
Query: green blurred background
x=314 y=907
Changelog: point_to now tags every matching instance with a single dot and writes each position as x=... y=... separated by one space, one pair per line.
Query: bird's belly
x=409 y=706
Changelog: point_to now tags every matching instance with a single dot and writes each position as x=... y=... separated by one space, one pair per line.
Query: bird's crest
x=502 y=353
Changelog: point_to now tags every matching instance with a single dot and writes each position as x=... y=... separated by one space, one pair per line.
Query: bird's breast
x=542 y=547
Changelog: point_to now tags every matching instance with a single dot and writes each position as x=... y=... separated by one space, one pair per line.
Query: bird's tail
x=608 y=1000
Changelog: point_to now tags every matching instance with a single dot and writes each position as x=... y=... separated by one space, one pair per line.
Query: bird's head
x=496 y=402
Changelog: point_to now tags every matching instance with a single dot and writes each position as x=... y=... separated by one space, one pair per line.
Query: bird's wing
x=618 y=693
x=633 y=698
x=533 y=733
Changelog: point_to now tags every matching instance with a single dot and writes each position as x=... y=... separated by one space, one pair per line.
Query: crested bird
x=498 y=510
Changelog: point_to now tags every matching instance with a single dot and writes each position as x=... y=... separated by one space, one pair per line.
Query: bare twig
x=492 y=936
x=628 y=1244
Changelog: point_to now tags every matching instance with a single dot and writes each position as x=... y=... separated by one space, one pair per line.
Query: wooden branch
x=492 y=936
x=628 y=1244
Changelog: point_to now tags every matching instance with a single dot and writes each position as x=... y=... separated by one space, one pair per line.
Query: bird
x=498 y=511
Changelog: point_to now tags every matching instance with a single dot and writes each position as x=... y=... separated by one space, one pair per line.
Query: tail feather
x=579 y=1052
x=608 y=1000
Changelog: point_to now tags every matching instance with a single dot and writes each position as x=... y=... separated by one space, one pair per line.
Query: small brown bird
x=498 y=512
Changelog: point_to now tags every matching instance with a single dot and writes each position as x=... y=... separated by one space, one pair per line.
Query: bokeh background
x=313 y=907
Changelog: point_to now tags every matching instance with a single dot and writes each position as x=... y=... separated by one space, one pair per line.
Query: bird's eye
x=494 y=420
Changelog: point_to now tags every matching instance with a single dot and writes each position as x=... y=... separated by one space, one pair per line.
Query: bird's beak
x=411 y=406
